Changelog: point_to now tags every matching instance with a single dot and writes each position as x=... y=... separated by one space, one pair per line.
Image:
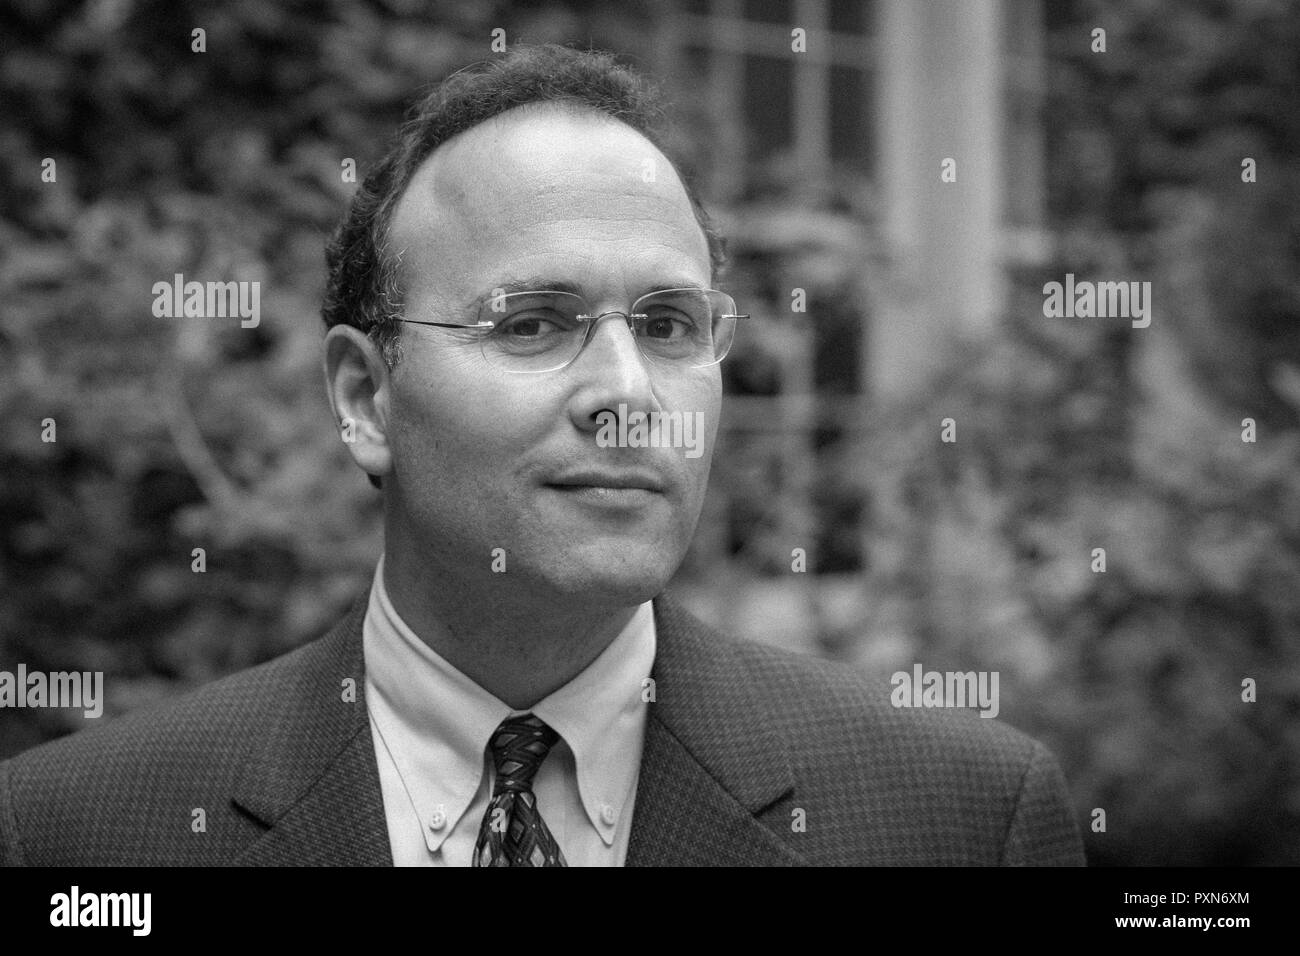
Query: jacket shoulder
x=807 y=694
x=820 y=704
x=895 y=785
x=98 y=790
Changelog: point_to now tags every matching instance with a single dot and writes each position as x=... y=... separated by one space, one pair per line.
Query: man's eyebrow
x=544 y=284
x=534 y=284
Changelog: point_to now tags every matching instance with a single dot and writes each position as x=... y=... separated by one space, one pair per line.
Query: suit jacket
x=740 y=738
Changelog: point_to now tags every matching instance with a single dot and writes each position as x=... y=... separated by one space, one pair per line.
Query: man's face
x=484 y=458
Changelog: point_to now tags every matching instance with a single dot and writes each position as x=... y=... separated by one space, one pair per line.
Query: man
x=524 y=267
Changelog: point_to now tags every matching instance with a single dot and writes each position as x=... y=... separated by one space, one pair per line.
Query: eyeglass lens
x=540 y=331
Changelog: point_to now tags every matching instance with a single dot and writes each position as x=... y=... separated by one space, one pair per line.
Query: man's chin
x=614 y=580
x=603 y=589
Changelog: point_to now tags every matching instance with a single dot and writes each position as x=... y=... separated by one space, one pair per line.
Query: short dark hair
x=362 y=288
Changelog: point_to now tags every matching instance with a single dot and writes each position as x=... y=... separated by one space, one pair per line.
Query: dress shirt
x=431 y=725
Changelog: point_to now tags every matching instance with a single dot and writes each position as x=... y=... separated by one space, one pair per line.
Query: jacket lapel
x=312 y=780
x=711 y=762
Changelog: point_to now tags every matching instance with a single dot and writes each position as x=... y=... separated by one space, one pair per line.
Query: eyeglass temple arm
x=451 y=325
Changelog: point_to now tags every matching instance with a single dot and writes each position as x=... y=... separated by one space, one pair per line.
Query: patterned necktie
x=513 y=832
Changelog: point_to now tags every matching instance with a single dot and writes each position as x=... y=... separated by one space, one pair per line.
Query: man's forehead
x=537 y=142
x=508 y=180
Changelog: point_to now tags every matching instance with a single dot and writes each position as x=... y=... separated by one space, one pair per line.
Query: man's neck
x=518 y=651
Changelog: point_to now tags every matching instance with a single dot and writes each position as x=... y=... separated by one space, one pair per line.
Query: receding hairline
x=568 y=106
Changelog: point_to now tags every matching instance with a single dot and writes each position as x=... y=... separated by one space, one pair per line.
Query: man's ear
x=358 y=384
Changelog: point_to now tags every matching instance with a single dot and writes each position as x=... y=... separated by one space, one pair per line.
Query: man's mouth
x=621 y=480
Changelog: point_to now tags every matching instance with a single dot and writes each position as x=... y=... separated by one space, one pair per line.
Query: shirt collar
x=436 y=722
x=601 y=715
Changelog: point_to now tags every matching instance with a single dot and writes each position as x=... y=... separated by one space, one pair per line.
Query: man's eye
x=668 y=324
x=533 y=324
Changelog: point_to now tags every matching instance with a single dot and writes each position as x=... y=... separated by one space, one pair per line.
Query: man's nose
x=614 y=370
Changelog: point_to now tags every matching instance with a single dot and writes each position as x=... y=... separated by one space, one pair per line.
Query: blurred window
x=810 y=109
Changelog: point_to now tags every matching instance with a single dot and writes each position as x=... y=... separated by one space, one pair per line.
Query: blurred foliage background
x=173 y=435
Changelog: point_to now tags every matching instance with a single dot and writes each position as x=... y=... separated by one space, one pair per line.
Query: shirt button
x=608 y=814
x=437 y=820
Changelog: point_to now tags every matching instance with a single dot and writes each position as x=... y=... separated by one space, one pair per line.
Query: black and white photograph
x=708 y=433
